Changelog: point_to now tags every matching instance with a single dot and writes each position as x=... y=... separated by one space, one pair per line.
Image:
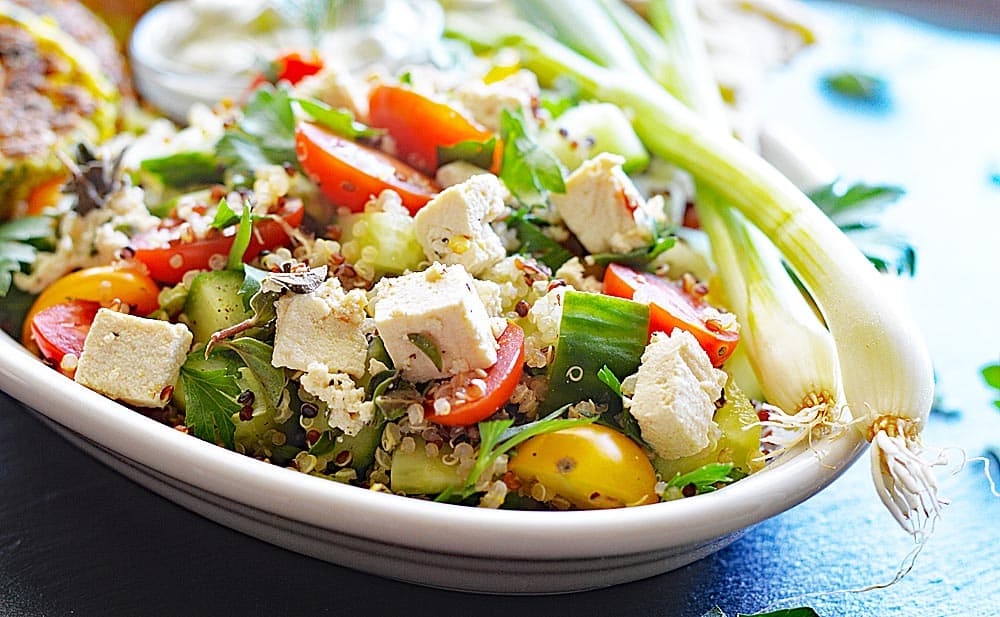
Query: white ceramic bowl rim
x=412 y=522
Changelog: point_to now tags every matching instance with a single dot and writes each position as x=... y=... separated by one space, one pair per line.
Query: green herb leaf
x=704 y=478
x=991 y=375
x=427 y=346
x=185 y=169
x=256 y=355
x=857 y=85
x=479 y=153
x=264 y=135
x=242 y=240
x=340 y=121
x=610 y=380
x=566 y=94
x=528 y=170
x=854 y=210
x=252 y=278
x=623 y=421
x=534 y=242
x=39 y=231
x=210 y=401
x=224 y=215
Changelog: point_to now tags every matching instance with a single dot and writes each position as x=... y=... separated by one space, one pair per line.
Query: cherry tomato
x=291 y=67
x=101 y=284
x=62 y=328
x=670 y=307
x=501 y=379
x=45 y=195
x=591 y=466
x=167 y=264
x=350 y=174
x=419 y=125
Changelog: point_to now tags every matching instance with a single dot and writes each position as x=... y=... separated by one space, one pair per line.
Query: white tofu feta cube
x=604 y=209
x=338 y=88
x=133 y=359
x=454 y=227
x=484 y=101
x=456 y=172
x=323 y=326
x=441 y=305
x=675 y=392
x=346 y=408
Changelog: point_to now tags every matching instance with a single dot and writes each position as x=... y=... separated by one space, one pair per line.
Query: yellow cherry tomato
x=103 y=284
x=591 y=466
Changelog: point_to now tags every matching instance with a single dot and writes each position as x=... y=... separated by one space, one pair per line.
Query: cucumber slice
x=588 y=129
x=595 y=331
x=213 y=303
x=415 y=473
x=392 y=237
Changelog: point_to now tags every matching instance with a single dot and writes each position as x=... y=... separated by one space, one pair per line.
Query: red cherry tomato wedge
x=167 y=264
x=291 y=67
x=419 y=125
x=61 y=329
x=350 y=174
x=501 y=379
x=670 y=307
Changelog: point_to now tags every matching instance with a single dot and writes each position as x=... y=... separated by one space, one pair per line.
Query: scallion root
x=904 y=479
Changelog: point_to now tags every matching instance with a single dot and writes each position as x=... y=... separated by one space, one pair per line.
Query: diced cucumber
x=588 y=129
x=416 y=473
x=595 y=331
x=739 y=443
x=390 y=234
x=361 y=447
x=213 y=303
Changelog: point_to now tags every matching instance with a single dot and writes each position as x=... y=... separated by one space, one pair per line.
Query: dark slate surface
x=78 y=539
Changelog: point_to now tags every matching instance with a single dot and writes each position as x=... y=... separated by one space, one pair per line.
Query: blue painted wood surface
x=75 y=538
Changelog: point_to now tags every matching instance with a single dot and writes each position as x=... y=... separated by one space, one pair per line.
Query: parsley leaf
x=623 y=421
x=991 y=375
x=264 y=135
x=534 y=242
x=340 y=121
x=479 y=153
x=853 y=209
x=704 y=478
x=20 y=240
x=210 y=401
x=185 y=169
x=528 y=170
x=857 y=85
x=256 y=355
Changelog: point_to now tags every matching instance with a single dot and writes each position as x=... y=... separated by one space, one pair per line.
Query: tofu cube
x=346 y=408
x=484 y=102
x=454 y=227
x=133 y=359
x=441 y=305
x=324 y=326
x=675 y=393
x=604 y=209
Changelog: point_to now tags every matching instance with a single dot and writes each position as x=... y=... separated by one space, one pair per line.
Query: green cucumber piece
x=415 y=473
x=213 y=303
x=595 y=331
x=361 y=447
x=392 y=236
x=588 y=129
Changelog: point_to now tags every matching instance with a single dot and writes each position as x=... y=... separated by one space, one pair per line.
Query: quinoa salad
x=451 y=285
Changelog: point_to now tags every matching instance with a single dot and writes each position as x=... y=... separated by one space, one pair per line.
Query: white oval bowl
x=434 y=544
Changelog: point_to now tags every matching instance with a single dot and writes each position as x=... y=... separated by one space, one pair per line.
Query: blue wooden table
x=75 y=538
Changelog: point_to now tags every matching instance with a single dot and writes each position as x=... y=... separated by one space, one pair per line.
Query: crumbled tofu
x=323 y=326
x=456 y=172
x=346 y=408
x=573 y=274
x=484 y=101
x=546 y=315
x=454 y=227
x=133 y=359
x=441 y=305
x=604 y=209
x=675 y=392
x=492 y=296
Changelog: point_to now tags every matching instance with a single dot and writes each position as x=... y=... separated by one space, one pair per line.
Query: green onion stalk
x=884 y=364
